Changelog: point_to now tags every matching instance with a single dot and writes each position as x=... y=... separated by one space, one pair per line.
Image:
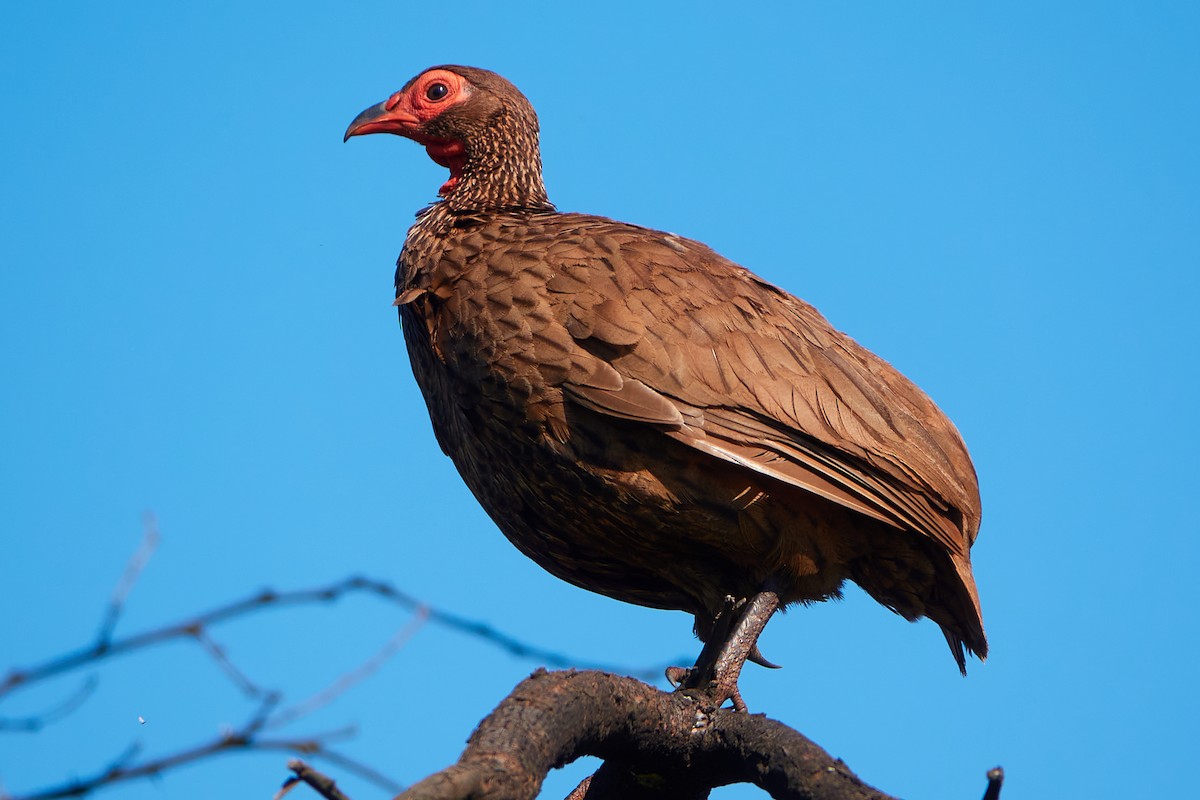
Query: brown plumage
x=649 y=420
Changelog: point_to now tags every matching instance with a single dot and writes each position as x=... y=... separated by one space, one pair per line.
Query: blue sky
x=195 y=319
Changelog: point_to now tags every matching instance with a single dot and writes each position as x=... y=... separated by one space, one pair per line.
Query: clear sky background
x=195 y=319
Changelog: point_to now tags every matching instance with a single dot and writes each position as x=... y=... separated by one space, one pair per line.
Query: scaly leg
x=734 y=639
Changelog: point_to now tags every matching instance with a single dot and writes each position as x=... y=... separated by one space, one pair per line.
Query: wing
x=743 y=371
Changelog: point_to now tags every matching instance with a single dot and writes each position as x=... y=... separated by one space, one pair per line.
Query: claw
x=758 y=658
x=677 y=675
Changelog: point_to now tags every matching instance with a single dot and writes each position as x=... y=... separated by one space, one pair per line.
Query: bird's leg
x=719 y=633
x=733 y=639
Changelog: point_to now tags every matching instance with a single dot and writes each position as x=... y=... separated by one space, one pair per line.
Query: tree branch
x=104 y=648
x=133 y=570
x=322 y=784
x=267 y=714
x=344 y=683
x=35 y=723
x=655 y=745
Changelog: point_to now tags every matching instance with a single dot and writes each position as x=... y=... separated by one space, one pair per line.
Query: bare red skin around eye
x=415 y=103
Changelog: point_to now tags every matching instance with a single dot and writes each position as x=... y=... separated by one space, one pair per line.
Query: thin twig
x=248 y=737
x=235 y=675
x=350 y=765
x=133 y=570
x=36 y=722
x=266 y=706
x=345 y=682
x=239 y=741
x=362 y=771
x=321 y=783
x=128 y=756
x=291 y=783
x=516 y=647
x=271 y=599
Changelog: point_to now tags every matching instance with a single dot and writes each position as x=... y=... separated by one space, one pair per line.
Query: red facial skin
x=406 y=112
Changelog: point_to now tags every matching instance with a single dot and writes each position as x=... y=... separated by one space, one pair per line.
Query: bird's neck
x=503 y=172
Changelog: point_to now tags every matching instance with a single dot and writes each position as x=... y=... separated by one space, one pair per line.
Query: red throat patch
x=450 y=154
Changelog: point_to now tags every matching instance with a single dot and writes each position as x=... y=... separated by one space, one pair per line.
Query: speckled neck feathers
x=503 y=171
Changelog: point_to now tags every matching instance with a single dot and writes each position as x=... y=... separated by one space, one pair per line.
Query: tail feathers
x=959 y=648
x=960 y=618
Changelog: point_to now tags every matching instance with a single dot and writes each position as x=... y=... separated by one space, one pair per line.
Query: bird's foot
x=713 y=691
x=733 y=640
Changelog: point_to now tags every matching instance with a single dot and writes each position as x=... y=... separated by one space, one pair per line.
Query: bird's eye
x=437 y=91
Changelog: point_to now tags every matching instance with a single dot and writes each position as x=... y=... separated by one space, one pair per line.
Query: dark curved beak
x=380 y=118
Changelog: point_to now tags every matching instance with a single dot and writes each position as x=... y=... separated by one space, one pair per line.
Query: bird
x=648 y=420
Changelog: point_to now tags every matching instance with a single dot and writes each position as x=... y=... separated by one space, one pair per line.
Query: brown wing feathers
x=802 y=396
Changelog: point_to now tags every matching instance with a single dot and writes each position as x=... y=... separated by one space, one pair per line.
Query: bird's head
x=473 y=122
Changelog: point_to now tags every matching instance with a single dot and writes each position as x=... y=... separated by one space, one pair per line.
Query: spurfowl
x=648 y=420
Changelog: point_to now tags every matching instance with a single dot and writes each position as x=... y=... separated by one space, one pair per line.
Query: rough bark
x=655 y=745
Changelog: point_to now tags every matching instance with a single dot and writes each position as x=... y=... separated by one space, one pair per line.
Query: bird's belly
x=606 y=531
x=612 y=506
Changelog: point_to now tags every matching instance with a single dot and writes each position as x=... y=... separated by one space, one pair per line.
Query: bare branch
x=345 y=762
x=118 y=773
x=655 y=746
x=38 y=721
x=549 y=658
x=128 y=756
x=320 y=782
x=364 y=671
x=355 y=767
x=551 y=719
x=271 y=599
x=291 y=783
x=235 y=675
x=264 y=716
x=995 y=778
x=238 y=741
x=133 y=570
